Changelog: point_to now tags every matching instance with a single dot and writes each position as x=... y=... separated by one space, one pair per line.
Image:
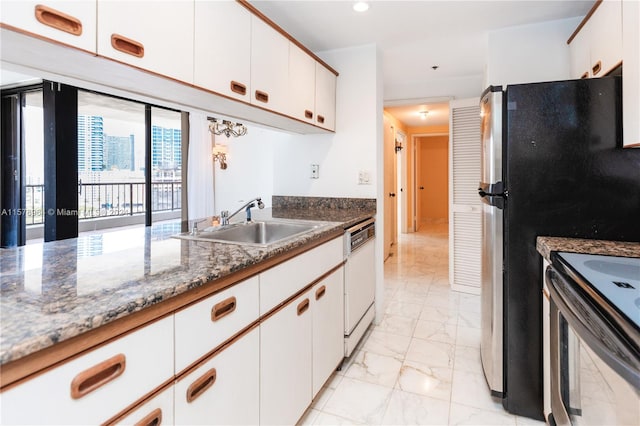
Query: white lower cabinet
x=328 y=324
x=285 y=363
x=223 y=390
x=96 y=386
x=205 y=325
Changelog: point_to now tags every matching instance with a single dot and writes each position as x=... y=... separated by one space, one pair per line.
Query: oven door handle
x=607 y=344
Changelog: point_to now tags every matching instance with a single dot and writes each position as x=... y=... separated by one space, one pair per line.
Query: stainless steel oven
x=594 y=348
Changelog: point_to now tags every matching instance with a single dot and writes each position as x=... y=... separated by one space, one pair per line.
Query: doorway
x=431 y=154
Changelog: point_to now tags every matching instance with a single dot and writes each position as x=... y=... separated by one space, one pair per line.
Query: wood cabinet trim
x=584 y=20
x=37 y=363
x=288 y=36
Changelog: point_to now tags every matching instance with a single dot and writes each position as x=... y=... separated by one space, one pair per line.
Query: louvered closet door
x=465 y=212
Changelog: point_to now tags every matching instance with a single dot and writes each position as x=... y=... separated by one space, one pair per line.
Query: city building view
x=111 y=160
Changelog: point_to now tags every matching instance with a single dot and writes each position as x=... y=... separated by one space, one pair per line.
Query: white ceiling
x=414 y=36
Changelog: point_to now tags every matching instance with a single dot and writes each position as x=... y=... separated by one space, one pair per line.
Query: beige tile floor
x=421 y=364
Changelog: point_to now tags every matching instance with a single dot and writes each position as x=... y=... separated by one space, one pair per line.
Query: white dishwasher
x=359 y=282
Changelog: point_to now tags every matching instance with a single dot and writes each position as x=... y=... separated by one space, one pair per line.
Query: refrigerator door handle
x=493 y=200
x=491 y=188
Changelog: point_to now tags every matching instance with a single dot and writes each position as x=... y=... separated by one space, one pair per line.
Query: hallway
x=421 y=364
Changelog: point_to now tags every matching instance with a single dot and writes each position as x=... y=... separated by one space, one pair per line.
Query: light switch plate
x=364 y=177
x=315 y=171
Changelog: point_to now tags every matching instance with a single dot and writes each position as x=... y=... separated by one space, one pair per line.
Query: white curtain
x=200 y=168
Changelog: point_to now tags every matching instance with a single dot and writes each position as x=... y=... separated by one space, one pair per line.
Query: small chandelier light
x=226 y=127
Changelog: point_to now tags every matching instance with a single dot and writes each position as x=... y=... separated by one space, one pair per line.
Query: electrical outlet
x=364 y=178
x=315 y=171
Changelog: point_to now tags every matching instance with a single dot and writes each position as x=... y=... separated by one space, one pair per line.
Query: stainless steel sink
x=252 y=233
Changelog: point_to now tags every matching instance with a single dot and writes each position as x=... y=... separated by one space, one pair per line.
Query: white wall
x=250 y=168
x=249 y=171
x=354 y=145
x=530 y=53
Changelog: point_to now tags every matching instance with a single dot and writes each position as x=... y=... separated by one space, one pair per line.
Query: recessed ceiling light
x=361 y=6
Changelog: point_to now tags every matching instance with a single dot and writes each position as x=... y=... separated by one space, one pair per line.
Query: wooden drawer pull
x=303 y=306
x=262 y=96
x=154 y=418
x=126 y=45
x=238 y=88
x=596 y=68
x=98 y=375
x=223 y=308
x=585 y=75
x=58 y=20
x=320 y=119
x=320 y=292
x=308 y=114
x=198 y=387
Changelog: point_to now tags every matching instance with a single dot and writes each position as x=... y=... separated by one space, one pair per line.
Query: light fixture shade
x=219 y=149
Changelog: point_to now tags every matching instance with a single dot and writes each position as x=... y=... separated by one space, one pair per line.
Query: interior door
x=389 y=187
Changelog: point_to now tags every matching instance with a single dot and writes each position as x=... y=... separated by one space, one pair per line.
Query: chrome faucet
x=225 y=216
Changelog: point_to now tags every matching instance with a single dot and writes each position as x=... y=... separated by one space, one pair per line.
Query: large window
x=115 y=139
x=111 y=152
x=34 y=155
x=166 y=159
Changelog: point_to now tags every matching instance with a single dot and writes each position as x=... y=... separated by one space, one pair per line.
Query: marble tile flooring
x=421 y=364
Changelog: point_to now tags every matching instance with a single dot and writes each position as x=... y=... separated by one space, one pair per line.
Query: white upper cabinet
x=631 y=73
x=152 y=35
x=597 y=47
x=579 y=55
x=302 y=84
x=269 y=67
x=223 y=48
x=325 y=97
x=606 y=38
x=68 y=22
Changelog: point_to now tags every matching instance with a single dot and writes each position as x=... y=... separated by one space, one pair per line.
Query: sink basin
x=253 y=233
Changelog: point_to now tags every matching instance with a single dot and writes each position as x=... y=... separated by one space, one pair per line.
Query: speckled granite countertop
x=546 y=245
x=51 y=292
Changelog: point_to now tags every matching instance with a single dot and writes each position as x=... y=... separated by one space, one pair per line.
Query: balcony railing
x=97 y=200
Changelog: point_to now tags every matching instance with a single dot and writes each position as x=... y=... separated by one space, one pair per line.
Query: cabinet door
x=631 y=73
x=328 y=324
x=579 y=54
x=281 y=282
x=68 y=22
x=207 y=324
x=153 y=35
x=97 y=385
x=302 y=84
x=285 y=363
x=325 y=97
x=223 y=48
x=606 y=37
x=223 y=390
x=269 y=67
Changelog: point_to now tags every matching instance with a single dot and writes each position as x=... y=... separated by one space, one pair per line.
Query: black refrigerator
x=552 y=165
